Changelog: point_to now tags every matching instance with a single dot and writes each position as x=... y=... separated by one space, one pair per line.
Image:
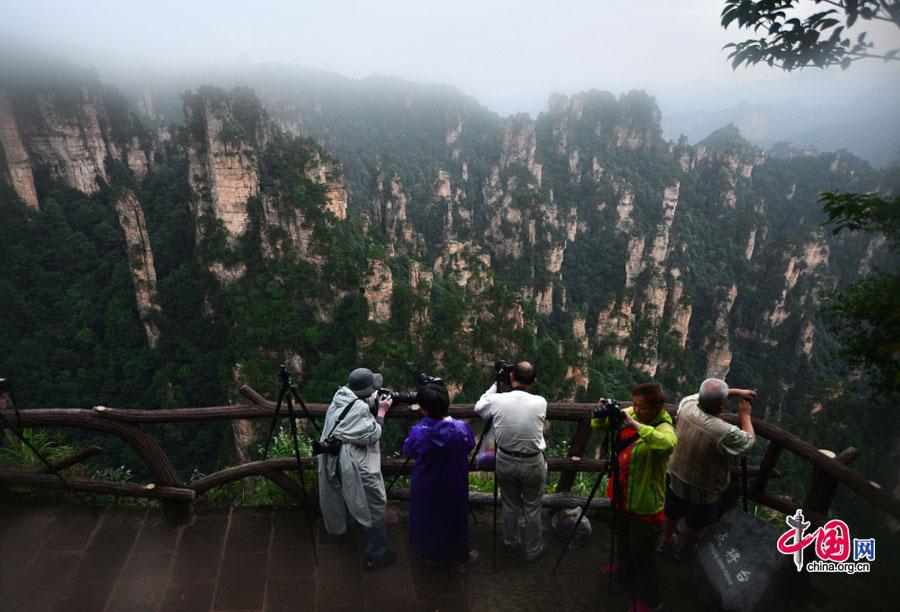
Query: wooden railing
x=176 y=496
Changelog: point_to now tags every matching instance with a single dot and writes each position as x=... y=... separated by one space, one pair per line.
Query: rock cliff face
x=379 y=291
x=140 y=256
x=581 y=226
x=223 y=169
x=389 y=212
x=328 y=172
x=229 y=132
x=18 y=163
x=718 y=345
x=70 y=132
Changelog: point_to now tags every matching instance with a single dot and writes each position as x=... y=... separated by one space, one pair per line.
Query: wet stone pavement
x=64 y=558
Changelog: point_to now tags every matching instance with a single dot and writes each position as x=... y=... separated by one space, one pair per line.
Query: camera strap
x=623 y=444
x=341 y=417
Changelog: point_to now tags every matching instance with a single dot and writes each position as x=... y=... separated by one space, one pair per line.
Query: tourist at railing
x=521 y=468
x=699 y=468
x=351 y=487
x=645 y=441
x=439 y=496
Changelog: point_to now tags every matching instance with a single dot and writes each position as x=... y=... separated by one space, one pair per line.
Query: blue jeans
x=376 y=538
x=376 y=542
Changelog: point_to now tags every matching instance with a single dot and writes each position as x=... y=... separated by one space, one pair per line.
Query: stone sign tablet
x=740 y=560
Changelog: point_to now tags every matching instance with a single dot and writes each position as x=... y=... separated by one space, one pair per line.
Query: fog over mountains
x=867 y=126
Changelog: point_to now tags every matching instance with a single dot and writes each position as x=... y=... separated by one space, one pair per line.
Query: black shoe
x=388 y=558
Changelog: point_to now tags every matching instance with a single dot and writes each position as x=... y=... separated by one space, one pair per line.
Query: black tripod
x=16 y=428
x=286 y=394
x=473 y=462
x=613 y=446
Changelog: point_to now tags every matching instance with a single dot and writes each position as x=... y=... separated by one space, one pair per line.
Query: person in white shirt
x=521 y=468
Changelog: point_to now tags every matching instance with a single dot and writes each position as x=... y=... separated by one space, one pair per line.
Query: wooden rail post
x=773 y=451
x=822 y=487
x=576 y=451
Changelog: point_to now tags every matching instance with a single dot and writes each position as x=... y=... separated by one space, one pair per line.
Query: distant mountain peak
x=725 y=138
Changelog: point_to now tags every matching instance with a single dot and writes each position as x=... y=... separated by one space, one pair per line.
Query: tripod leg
x=484 y=430
x=308 y=509
x=397 y=475
x=587 y=505
x=21 y=436
x=275 y=420
x=494 y=532
x=613 y=525
x=306 y=412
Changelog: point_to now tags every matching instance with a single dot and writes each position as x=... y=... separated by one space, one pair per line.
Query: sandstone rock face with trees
x=425 y=233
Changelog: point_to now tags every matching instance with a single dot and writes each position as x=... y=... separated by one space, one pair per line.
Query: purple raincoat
x=439 y=520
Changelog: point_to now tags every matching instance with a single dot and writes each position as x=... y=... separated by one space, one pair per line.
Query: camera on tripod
x=504 y=370
x=410 y=397
x=608 y=409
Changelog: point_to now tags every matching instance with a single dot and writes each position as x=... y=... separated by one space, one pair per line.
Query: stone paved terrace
x=64 y=558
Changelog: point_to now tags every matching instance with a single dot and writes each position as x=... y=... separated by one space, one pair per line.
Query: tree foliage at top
x=820 y=40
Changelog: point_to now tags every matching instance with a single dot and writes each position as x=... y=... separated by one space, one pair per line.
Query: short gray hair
x=713 y=392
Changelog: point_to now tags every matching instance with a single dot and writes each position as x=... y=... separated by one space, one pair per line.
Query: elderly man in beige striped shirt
x=699 y=468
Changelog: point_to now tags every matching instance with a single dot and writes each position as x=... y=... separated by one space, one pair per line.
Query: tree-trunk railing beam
x=126 y=424
x=845 y=475
x=16 y=477
x=73 y=459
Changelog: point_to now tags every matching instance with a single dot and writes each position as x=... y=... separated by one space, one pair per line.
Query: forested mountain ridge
x=581 y=239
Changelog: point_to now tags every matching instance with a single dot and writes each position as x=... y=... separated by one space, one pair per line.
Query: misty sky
x=510 y=55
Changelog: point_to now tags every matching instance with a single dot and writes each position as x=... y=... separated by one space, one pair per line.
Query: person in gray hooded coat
x=350 y=484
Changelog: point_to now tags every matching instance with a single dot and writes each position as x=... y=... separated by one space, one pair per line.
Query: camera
x=608 y=409
x=329 y=446
x=503 y=370
x=410 y=397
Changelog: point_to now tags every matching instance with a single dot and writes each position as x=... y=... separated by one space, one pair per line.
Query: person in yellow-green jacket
x=646 y=439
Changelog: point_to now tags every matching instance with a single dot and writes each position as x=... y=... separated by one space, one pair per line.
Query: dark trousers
x=636 y=555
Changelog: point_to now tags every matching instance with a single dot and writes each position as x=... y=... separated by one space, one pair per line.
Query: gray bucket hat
x=364 y=382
